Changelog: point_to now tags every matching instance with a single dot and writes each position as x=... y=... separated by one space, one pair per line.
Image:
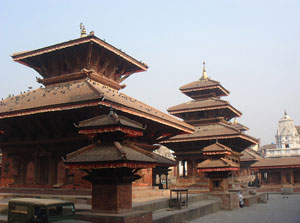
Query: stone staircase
x=194 y=184
x=148 y=192
x=199 y=205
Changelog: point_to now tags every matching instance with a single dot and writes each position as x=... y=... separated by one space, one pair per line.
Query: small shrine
x=221 y=163
x=111 y=162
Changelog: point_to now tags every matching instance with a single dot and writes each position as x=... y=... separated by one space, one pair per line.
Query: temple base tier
x=111 y=189
x=125 y=217
x=112 y=197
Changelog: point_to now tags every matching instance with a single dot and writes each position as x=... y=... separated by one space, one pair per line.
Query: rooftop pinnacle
x=204 y=75
x=82 y=30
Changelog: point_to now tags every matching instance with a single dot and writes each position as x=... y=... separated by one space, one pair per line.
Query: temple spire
x=235 y=121
x=82 y=30
x=204 y=75
x=285 y=112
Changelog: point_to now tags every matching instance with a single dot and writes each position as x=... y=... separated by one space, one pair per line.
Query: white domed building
x=287 y=139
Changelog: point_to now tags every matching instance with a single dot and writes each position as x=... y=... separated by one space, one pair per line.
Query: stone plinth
x=112 y=198
x=111 y=189
x=230 y=200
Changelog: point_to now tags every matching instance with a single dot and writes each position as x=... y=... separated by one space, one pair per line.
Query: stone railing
x=282 y=152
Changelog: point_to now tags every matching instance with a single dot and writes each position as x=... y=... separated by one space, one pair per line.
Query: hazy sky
x=251 y=47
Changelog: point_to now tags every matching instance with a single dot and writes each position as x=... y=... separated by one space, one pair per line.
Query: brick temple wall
x=18 y=172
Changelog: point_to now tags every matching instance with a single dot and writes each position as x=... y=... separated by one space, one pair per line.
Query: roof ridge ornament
x=285 y=112
x=235 y=121
x=204 y=75
x=82 y=30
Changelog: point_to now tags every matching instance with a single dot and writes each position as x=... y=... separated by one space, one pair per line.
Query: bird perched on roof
x=114 y=116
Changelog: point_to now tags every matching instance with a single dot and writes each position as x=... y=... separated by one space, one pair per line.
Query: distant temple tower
x=209 y=158
x=287 y=135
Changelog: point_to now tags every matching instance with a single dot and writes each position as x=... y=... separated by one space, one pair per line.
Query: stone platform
x=157 y=206
x=156 y=209
x=199 y=206
x=230 y=199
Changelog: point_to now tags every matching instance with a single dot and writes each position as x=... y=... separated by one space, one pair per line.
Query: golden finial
x=204 y=75
x=235 y=121
x=82 y=30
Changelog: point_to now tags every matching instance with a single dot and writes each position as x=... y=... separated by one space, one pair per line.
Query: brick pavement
x=279 y=209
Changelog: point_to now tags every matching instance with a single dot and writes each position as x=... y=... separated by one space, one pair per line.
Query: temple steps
x=162 y=203
x=195 y=185
x=145 y=192
x=196 y=188
x=199 y=205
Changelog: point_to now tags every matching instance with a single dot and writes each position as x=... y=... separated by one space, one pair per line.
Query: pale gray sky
x=251 y=47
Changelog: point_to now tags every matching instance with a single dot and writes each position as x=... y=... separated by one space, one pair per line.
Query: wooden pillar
x=191 y=168
x=30 y=171
x=283 y=177
x=22 y=171
x=49 y=170
x=291 y=176
x=35 y=169
x=167 y=181
x=263 y=177
x=177 y=170
x=183 y=167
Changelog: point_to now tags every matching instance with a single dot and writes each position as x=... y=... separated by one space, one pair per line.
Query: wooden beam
x=45 y=141
x=89 y=55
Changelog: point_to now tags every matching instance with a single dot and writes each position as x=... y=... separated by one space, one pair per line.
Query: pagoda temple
x=80 y=81
x=79 y=131
x=208 y=159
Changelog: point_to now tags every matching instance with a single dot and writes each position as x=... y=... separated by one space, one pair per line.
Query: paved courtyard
x=279 y=209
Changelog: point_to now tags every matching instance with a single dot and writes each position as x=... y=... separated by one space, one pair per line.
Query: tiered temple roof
x=210 y=115
x=214 y=147
x=217 y=165
x=220 y=158
x=86 y=56
x=79 y=75
x=207 y=87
